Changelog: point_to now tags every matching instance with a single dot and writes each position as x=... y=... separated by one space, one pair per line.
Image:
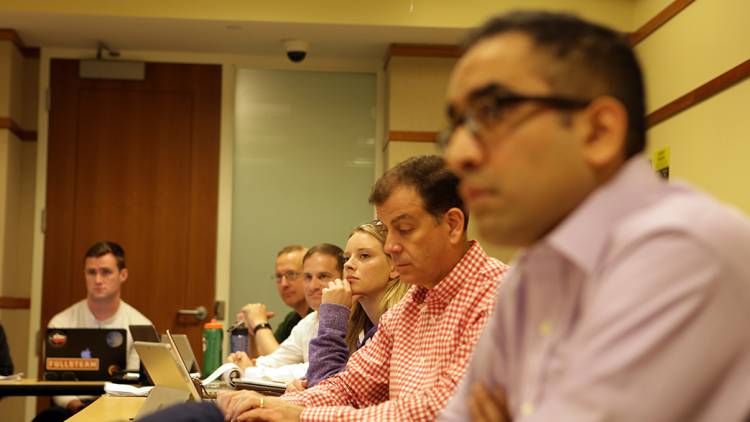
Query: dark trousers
x=187 y=412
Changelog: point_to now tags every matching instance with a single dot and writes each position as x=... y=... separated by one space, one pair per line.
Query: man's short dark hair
x=437 y=186
x=589 y=60
x=102 y=248
x=330 y=250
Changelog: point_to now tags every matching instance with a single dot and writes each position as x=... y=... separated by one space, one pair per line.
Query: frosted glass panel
x=303 y=168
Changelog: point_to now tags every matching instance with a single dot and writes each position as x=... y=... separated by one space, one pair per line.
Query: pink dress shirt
x=635 y=308
x=411 y=367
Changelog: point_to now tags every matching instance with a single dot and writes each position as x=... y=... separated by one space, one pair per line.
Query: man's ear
x=454 y=217
x=604 y=142
x=123 y=275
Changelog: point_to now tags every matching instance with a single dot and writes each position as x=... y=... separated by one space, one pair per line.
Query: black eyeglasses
x=490 y=107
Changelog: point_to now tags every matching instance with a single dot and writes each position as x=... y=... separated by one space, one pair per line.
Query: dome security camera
x=296 y=50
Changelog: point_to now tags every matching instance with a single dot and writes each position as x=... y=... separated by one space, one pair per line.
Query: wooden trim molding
x=14 y=128
x=15 y=302
x=422 y=50
x=703 y=92
x=413 y=136
x=657 y=21
x=12 y=36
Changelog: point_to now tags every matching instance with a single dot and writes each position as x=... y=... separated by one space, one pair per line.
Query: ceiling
x=217 y=36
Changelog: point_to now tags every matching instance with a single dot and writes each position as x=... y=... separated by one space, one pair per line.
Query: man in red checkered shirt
x=412 y=365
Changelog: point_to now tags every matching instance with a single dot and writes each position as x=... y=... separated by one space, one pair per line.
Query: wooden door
x=135 y=162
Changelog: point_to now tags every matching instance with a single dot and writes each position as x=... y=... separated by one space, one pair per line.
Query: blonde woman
x=351 y=308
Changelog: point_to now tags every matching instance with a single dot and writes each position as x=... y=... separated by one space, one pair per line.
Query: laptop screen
x=184 y=350
x=84 y=354
x=144 y=333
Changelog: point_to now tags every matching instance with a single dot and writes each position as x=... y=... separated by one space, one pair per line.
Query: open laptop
x=165 y=367
x=185 y=350
x=172 y=383
x=84 y=354
x=148 y=333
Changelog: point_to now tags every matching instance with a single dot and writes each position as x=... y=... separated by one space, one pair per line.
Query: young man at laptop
x=105 y=272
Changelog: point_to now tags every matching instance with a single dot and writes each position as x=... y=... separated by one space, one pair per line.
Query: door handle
x=199 y=312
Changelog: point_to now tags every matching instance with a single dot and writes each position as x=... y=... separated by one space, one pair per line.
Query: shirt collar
x=101 y=322
x=583 y=235
x=451 y=284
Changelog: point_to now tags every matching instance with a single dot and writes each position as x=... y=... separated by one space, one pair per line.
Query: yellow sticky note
x=660 y=160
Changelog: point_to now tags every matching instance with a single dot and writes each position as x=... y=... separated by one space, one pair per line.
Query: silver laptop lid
x=165 y=367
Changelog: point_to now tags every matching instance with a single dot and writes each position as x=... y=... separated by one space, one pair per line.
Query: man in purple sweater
x=630 y=299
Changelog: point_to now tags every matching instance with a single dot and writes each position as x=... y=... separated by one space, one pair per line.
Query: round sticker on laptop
x=56 y=339
x=114 y=339
x=113 y=369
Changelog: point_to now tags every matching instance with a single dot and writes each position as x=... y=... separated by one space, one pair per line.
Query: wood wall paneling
x=135 y=162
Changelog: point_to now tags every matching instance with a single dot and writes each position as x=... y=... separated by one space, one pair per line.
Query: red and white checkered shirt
x=412 y=365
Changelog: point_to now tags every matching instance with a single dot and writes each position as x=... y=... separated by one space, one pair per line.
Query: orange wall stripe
x=703 y=92
x=414 y=136
x=657 y=21
x=15 y=302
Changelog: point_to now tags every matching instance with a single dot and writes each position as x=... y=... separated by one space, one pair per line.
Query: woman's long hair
x=394 y=291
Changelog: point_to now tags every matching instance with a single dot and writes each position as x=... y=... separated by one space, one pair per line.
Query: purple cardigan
x=328 y=351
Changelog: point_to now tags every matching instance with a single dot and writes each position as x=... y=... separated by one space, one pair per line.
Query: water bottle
x=238 y=338
x=212 y=337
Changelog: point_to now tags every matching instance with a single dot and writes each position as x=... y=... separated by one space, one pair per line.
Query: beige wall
x=17 y=173
x=417 y=92
x=708 y=142
x=384 y=12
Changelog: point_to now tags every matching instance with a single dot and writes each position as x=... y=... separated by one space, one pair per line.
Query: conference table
x=110 y=409
x=104 y=408
x=32 y=387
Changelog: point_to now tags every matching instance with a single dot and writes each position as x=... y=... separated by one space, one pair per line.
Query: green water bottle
x=212 y=337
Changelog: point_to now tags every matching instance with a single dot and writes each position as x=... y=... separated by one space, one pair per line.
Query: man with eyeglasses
x=629 y=301
x=289 y=283
x=321 y=264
